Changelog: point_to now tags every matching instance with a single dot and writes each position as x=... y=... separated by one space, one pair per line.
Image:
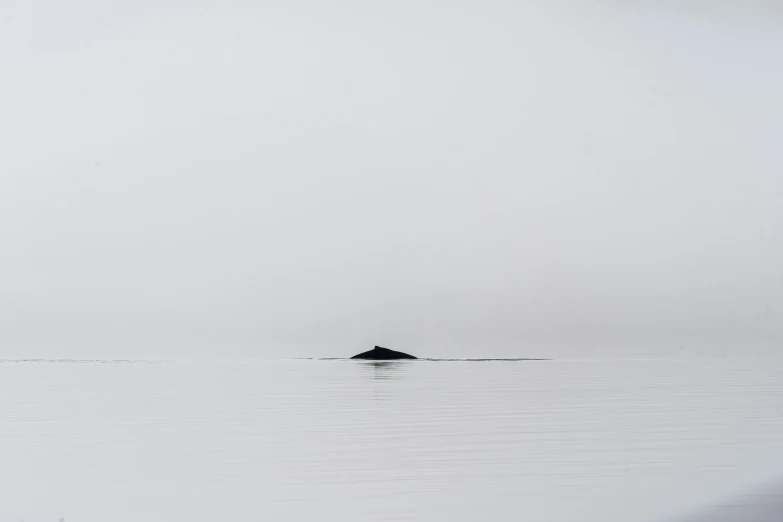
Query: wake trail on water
x=431 y=359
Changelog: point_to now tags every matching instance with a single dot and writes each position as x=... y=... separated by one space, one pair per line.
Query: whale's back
x=383 y=354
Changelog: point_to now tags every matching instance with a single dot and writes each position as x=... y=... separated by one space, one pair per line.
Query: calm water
x=563 y=440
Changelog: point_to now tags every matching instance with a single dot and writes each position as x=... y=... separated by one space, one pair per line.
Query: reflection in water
x=386 y=370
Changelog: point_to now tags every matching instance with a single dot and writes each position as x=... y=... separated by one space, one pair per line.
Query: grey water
x=565 y=440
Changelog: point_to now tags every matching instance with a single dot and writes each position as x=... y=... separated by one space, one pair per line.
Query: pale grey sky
x=312 y=178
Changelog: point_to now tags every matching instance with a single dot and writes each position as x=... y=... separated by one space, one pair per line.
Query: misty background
x=302 y=178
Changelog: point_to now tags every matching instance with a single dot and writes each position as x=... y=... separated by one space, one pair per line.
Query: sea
x=235 y=440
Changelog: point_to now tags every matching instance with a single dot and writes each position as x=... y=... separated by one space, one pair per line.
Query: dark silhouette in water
x=382 y=354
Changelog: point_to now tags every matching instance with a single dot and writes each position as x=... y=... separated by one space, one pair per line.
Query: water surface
x=342 y=440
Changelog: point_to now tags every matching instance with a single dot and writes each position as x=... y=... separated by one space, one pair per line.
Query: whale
x=380 y=353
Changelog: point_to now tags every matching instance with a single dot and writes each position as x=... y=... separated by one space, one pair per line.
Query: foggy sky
x=313 y=178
